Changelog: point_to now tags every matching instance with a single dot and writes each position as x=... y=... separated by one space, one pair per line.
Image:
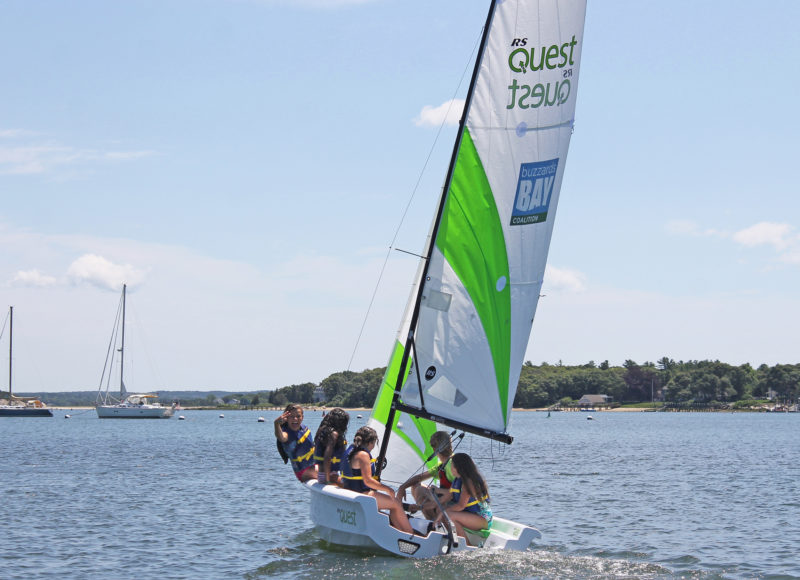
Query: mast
x=396 y=405
x=122 y=347
x=10 y=346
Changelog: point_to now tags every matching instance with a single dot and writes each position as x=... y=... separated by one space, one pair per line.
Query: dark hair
x=363 y=437
x=469 y=474
x=441 y=443
x=291 y=408
x=336 y=420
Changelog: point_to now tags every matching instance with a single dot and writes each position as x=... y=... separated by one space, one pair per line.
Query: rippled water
x=626 y=495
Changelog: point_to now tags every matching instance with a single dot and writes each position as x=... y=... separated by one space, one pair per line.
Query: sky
x=246 y=165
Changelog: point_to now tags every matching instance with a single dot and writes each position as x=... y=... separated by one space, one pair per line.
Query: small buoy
x=67 y=416
x=221 y=416
x=589 y=418
x=181 y=418
x=261 y=419
x=358 y=417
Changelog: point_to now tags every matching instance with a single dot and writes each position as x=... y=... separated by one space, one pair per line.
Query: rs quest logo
x=534 y=191
x=347 y=517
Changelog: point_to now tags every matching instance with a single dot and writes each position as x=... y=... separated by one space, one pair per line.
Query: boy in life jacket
x=295 y=443
x=443 y=446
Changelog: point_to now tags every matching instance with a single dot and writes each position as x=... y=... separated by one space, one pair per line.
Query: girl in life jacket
x=470 y=497
x=295 y=443
x=442 y=445
x=330 y=445
x=357 y=475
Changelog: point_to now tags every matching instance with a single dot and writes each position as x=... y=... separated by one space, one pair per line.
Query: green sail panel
x=471 y=239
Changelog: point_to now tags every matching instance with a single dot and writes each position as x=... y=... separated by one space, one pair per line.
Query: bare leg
x=397 y=516
x=467 y=519
x=309 y=474
x=422 y=496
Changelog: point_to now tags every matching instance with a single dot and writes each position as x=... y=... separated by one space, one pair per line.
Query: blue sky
x=243 y=165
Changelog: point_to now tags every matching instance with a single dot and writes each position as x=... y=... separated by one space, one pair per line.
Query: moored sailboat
x=127 y=406
x=19 y=406
x=466 y=327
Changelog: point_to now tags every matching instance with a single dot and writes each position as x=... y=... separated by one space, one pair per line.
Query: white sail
x=463 y=337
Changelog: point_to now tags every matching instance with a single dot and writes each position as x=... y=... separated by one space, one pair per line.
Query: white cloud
x=766 y=233
x=102 y=273
x=562 y=279
x=779 y=236
x=33 y=278
x=448 y=113
x=29 y=154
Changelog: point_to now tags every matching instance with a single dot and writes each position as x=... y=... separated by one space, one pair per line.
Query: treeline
x=666 y=380
x=546 y=385
x=343 y=389
x=539 y=386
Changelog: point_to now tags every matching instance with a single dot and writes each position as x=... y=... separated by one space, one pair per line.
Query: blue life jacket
x=338 y=458
x=352 y=478
x=473 y=505
x=299 y=447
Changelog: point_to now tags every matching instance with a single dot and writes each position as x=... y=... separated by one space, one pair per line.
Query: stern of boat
x=347 y=518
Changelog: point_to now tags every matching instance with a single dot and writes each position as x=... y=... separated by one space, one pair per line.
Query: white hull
x=133 y=412
x=348 y=518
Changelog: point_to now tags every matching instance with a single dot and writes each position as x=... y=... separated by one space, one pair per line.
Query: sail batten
x=467 y=325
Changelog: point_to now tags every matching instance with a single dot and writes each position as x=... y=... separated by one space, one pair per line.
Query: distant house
x=319 y=395
x=592 y=400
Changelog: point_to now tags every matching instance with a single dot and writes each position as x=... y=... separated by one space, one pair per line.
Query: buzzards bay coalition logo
x=534 y=189
x=524 y=59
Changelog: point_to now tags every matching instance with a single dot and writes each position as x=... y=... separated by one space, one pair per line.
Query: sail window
x=437 y=300
x=446 y=391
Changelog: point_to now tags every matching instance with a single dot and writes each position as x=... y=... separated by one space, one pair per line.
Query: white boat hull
x=348 y=518
x=123 y=412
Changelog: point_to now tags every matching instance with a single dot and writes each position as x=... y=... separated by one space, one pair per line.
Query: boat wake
x=310 y=557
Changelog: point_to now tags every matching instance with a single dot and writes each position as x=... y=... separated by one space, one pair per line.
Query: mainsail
x=463 y=337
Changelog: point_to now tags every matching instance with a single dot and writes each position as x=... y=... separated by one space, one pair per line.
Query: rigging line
x=112 y=345
x=5 y=322
x=415 y=362
x=156 y=372
x=411 y=198
x=436 y=452
x=420 y=256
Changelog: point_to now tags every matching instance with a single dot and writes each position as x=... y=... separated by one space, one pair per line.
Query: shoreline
x=515 y=409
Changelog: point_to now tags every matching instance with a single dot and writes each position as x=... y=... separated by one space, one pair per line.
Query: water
x=626 y=495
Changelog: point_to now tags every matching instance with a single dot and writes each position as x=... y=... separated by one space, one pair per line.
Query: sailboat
x=127 y=406
x=19 y=406
x=459 y=352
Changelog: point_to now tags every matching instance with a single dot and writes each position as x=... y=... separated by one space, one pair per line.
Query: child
x=443 y=446
x=357 y=475
x=470 y=496
x=295 y=443
x=330 y=444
